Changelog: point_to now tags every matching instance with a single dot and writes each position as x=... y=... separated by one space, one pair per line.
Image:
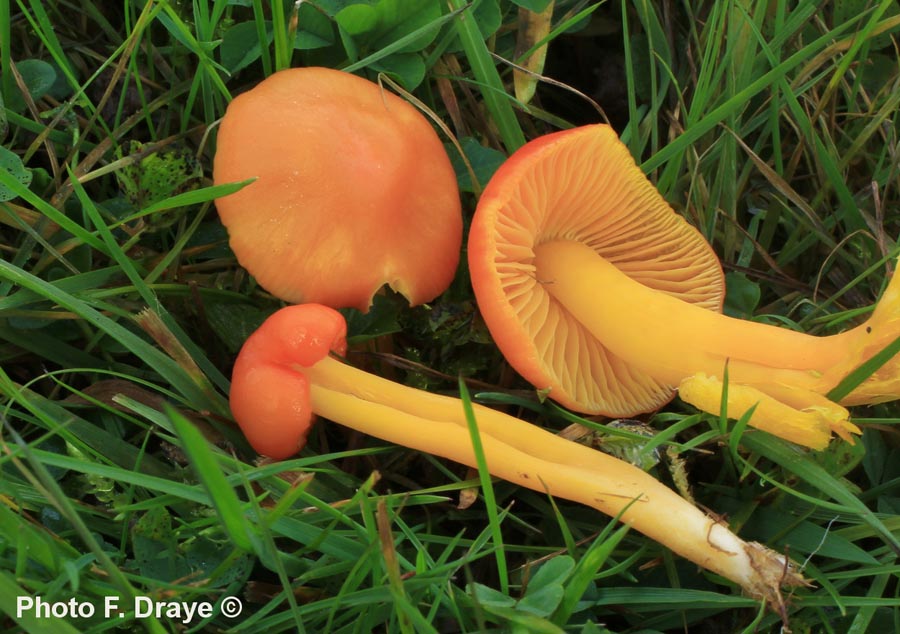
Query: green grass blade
x=800 y=465
x=161 y=363
x=668 y=155
x=864 y=371
x=586 y=571
x=129 y=268
x=487 y=488
x=43 y=481
x=401 y=43
x=228 y=507
x=498 y=102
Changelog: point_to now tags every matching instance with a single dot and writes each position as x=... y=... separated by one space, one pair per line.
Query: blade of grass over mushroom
x=864 y=371
x=723 y=402
x=487 y=487
x=498 y=102
x=737 y=432
x=740 y=426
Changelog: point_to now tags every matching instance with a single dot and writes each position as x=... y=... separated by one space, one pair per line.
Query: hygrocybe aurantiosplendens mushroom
x=285 y=374
x=353 y=190
x=598 y=292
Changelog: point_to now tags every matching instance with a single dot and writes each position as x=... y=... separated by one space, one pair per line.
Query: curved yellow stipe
x=783 y=374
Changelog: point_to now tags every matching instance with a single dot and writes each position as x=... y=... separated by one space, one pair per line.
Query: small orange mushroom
x=270 y=393
x=353 y=190
x=285 y=374
x=597 y=291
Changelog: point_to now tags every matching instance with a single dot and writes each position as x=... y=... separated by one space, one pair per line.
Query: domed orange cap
x=269 y=396
x=580 y=184
x=353 y=191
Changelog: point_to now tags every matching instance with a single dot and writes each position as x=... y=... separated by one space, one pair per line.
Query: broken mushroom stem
x=286 y=373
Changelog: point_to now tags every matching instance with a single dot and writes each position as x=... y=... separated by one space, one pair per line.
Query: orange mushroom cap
x=269 y=395
x=353 y=190
x=580 y=184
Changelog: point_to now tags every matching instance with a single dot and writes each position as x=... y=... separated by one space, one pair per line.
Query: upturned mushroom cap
x=269 y=395
x=580 y=184
x=353 y=191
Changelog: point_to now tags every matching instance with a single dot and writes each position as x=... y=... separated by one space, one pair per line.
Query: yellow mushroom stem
x=529 y=456
x=783 y=374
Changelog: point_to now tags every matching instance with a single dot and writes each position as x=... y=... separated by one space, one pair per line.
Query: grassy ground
x=771 y=125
